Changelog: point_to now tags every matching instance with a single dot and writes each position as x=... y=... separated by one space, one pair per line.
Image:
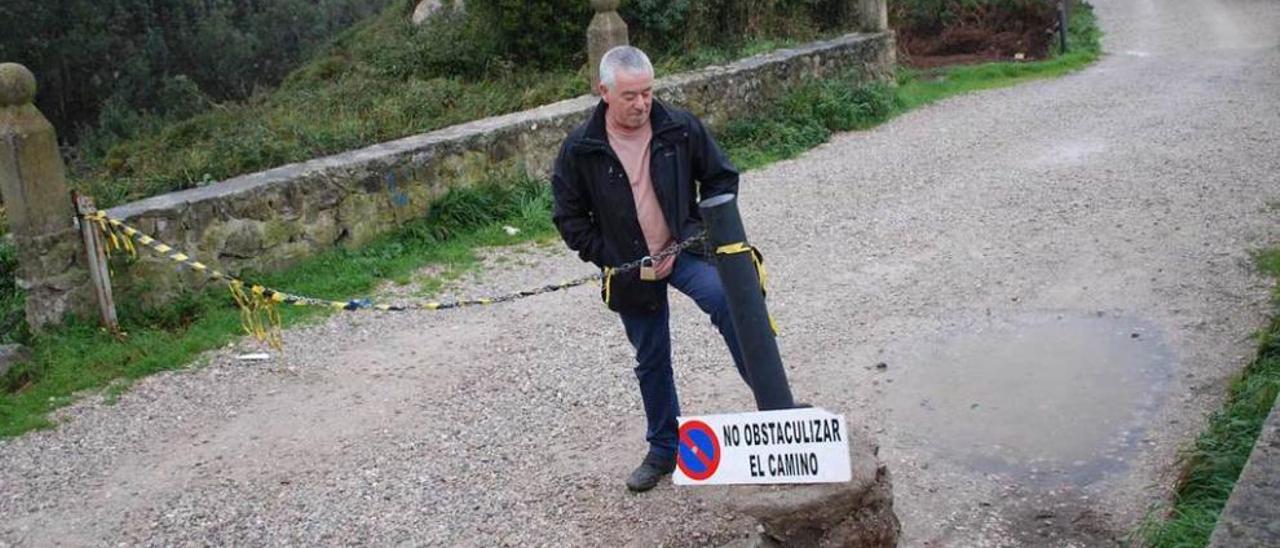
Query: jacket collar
x=596 y=138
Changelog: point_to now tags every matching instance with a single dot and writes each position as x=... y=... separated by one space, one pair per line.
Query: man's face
x=630 y=99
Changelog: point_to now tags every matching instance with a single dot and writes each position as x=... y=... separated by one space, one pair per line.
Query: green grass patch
x=82 y=357
x=1212 y=465
x=805 y=118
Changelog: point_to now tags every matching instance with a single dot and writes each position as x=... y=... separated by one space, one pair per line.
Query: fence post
x=96 y=256
x=34 y=187
x=746 y=304
x=607 y=31
x=1063 y=25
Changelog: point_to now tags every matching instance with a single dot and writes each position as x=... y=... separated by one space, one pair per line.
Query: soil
x=976 y=34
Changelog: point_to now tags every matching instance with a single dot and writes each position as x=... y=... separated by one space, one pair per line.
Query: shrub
x=127 y=53
x=12 y=319
x=932 y=16
x=541 y=33
x=666 y=26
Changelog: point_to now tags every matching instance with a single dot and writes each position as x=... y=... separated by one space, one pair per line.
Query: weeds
x=1212 y=465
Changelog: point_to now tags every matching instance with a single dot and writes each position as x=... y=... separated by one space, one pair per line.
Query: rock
x=858 y=513
x=11 y=355
x=427 y=8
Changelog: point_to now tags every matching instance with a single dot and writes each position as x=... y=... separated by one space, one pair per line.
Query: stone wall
x=271 y=219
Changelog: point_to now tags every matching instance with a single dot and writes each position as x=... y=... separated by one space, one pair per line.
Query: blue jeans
x=650 y=334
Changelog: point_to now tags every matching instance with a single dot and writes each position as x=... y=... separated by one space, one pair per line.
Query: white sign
x=786 y=446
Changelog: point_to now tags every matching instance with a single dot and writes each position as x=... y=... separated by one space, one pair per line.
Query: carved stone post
x=606 y=32
x=873 y=16
x=41 y=217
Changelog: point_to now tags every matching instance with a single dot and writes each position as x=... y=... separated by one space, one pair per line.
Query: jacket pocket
x=626 y=292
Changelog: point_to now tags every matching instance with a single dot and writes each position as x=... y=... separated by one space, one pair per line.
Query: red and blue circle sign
x=699 y=453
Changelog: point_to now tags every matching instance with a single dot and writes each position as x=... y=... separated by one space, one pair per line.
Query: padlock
x=647 y=272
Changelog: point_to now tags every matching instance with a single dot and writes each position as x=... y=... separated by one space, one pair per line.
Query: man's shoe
x=650 y=471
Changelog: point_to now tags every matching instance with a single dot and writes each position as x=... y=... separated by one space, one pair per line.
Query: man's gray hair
x=626 y=58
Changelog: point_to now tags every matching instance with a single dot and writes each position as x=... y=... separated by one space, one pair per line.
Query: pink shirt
x=632 y=148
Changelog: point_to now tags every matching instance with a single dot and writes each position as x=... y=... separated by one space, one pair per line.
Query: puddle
x=1058 y=398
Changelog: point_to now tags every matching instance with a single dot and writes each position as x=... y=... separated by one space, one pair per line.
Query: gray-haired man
x=624 y=186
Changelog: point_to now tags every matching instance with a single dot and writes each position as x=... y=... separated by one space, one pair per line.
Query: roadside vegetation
x=1212 y=464
x=387 y=78
x=81 y=357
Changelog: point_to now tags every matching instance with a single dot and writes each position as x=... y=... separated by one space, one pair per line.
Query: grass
x=82 y=357
x=1212 y=465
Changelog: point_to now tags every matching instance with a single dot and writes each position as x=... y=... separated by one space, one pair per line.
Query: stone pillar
x=41 y=217
x=873 y=15
x=606 y=32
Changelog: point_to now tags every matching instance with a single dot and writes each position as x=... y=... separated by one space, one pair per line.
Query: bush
x=12 y=301
x=141 y=54
x=542 y=33
x=672 y=25
x=932 y=16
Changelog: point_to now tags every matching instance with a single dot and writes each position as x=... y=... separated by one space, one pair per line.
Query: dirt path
x=1097 y=227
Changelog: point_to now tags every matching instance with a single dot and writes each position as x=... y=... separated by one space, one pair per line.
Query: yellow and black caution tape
x=761 y=272
x=258 y=304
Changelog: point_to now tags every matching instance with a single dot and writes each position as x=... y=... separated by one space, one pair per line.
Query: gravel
x=1136 y=187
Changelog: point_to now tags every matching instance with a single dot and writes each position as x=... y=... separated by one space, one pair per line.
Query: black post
x=1062 y=24
x=746 y=305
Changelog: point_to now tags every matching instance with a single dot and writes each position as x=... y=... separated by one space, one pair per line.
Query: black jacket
x=594 y=209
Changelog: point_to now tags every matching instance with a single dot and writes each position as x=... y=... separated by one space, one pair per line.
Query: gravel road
x=996 y=251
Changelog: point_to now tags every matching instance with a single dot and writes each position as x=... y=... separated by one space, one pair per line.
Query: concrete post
x=41 y=217
x=873 y=16
x=607 y=31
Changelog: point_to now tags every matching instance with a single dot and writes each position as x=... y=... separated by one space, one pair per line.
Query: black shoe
x=650 y=471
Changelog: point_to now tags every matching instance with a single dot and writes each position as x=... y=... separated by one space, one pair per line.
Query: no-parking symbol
x=699 y=453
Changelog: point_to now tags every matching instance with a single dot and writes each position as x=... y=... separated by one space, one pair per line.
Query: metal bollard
x=746 y=305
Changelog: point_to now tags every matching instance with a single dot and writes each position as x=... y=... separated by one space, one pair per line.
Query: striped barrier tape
x=258 y=304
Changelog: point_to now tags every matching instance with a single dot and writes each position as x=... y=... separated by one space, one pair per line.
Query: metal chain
x=673 y=249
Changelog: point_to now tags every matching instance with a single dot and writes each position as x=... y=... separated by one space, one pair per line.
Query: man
x=624 y=190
